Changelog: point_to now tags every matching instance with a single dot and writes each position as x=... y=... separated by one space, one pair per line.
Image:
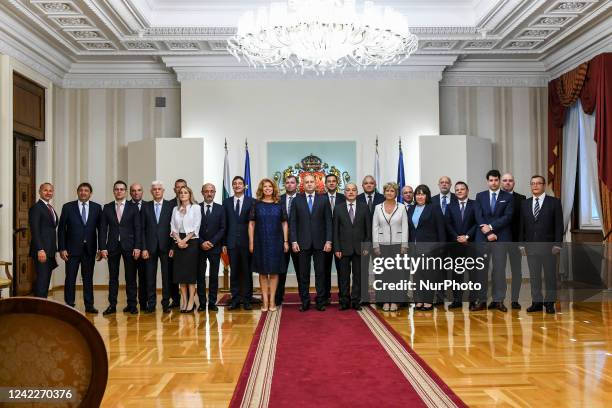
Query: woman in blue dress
x=268 y=240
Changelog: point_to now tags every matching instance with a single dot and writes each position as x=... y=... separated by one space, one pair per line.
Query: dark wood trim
x=28 y=107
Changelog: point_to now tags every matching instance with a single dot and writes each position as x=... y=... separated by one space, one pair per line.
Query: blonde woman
x=184 y=228
x=268 y=240
x=390 y=237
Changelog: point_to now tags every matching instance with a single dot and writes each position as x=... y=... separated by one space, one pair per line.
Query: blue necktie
x=83 y=213
x=310 y=203
x=157 y=205
x=444 y=205
x=462 y=210
x=493 y=202
x=237 y=209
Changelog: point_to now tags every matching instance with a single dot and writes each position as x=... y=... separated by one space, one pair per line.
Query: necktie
x=331 y=202
x=289 y=206
x=51 y=211
x=157 y=211
x=493 y=202
x=370 y=202
x=310 y=203
x=139 y=204
x=462 y=210
x=207 y=210
x=351 y=213
x=444 y=204
x=83 y=213
x=536 y=208
x=119 y=211
x=237 y=209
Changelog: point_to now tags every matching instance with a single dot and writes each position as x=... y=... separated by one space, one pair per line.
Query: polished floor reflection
x=487 y=358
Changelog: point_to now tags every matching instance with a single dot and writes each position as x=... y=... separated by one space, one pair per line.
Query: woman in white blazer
x=390 y=237
x=184 y=228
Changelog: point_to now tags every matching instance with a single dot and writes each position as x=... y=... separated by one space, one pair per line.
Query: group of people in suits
x=264 y=234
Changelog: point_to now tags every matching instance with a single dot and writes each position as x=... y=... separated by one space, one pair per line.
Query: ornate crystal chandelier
x=322 y=35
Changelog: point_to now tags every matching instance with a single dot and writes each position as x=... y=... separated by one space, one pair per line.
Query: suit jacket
x=212 y=227
x=436 y=199
x=516 y=215
x=310 y=230
x=283 y=203
x=548 y=227
x=376 y=199
x=125 y=235
x=431 y=226
x=340 y=199
x=73 y=234
x=349 y=236
x=500 y=219
x=237 y=227
x=156 y=235
x=455 y=226
x=42 y=231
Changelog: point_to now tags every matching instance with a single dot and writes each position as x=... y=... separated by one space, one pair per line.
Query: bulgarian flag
x=227 y=187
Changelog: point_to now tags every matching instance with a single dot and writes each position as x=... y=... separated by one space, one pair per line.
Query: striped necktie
x=536 y=208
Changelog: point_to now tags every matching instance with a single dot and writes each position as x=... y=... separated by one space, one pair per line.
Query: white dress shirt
x=86 y=205
x=540 y=202
x=289 y=198
x=188 y=222
x=241 y=198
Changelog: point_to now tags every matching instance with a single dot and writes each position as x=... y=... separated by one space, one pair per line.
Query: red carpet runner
x=335 y=359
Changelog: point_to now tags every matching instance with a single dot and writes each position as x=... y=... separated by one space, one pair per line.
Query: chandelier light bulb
x=322 y=35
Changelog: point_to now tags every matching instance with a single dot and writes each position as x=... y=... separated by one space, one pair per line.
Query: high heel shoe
x=264 y=308
x=273 y=309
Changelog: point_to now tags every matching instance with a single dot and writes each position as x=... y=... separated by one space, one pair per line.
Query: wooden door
x=24 y=198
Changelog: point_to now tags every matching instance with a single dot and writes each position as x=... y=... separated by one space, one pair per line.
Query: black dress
x=268 y=252
x=185 y=262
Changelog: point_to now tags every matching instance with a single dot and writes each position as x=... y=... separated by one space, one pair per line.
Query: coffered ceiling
x=156 y=42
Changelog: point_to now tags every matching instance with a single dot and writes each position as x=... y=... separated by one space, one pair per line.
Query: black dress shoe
x=126 y=309
x=321 y=308
x=493 y=305
x=478 y=307
x=71 y=305
x=356 y=306
x=233 y=306
x=535 y=307
x=212 y=307
x=148 y=310
x=550 y=307
x=516 y=306
x=501 y=307
x=247 y=306
x=133 y=310
x=455 y=305
x=438 y=303
x=304 y=307
x=167 y=309
x=201 y=307
x=91 y=310
x=344 y=307
x=110 y=310
x=327 y=302
x=427 y=308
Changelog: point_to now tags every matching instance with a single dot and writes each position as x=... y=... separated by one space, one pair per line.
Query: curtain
x=571 y=131
x=588 y=149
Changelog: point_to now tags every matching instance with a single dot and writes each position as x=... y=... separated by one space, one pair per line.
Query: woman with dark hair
x=268 y=240
x=389 y=238
x=427 y=234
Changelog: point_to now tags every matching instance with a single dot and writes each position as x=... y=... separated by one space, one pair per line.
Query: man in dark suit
x=541 y=230
x=237 y=209
x=42 y=220
x=310 y=232
x=494 y=209
x=334 y=198
x=156 y=244
x=461 y=229
x=286 y=202
x=120 y=237
x=370 y=196
x=77 y=235
x=445 y=197
x=212 y=232
x=352 y=226
x=507 y=183
x=136 y=192
x=408 y=196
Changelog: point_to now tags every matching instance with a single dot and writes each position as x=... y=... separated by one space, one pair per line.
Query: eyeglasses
x=536 y=183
